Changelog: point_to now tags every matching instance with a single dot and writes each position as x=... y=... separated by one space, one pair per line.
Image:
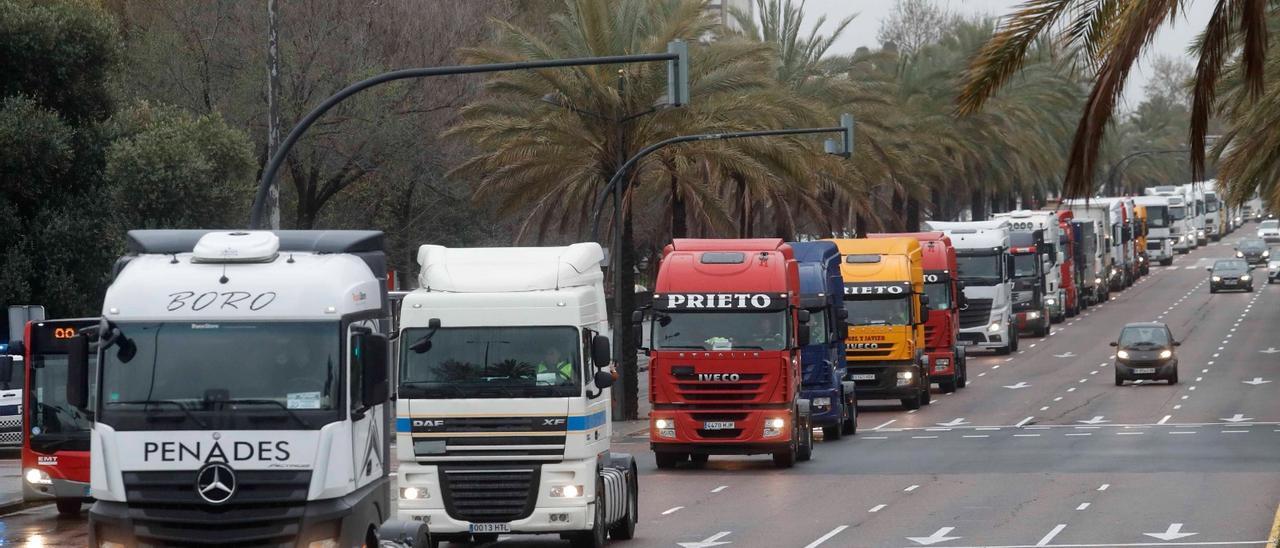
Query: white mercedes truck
x=1110 y=217
x=984 y=262
x=1160 y=228
x=1046 y=253
x=241 y=393
x=502 y=416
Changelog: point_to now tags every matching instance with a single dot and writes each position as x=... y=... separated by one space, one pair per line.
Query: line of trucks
x=256 y=388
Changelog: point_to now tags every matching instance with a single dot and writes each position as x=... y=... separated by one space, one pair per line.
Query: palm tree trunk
x=744 y=208
x=679 y=215
x=977 y=205
x=913 y=214
x=899 y=212
x=860 y=226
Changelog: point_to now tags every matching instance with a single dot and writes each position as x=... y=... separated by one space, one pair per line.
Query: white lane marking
x=827 y=536
x=1205 y=370
x=1083 y=505
x=982 y=374
x=987 y=428
x=995 y=367
x=1235 y=431
x=874 y=437
x=1165 y=419
x=1081 y=434
x=1007 y=360
x=1045 y=408
x=1023 y=422
x=1256 y=381
x=1044 y=541
x=1174 y=532
x=1104 y=487
x=719 y=489
x=877 y=508
x=1192 y=387
x=924 y=437
x=911 y=488
x=938 y=536
x=1095 y=420
x=976 y=436
x=1072 y=389
x=1059 y=398
x=1185 y=397
x=713 y=540
x=670 y=511
x=1181 y=432
x=885 y=424
x=1177 y=407
x=1210 y=362
x=1026 y=435
x=1020 y=384
x=1084 y=380
x=1130 y=433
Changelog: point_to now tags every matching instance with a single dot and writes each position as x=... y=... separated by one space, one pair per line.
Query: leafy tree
x=60 y=54
x=914 y=24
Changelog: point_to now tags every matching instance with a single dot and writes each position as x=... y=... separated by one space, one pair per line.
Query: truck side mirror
x=6 y=369
x=637 y=327
x=601 y=351
x=369 y=357
x=924 y=313
x=803 y=316
x=78 y=372
x=1114 y=343
x=603 y=379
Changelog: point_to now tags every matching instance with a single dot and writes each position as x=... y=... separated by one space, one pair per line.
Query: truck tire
x=787 y=458
x=911 y=403
x=962 y=370
x=699 y=460
x=1166 y=262
x=667 y=461
x=68 y=507
x=597 y=536
x=948 y=386
x=804 y=453
x=626 y=529
x=833 y=432
x=926 y=397
x=1013 y=340
x=850 y=425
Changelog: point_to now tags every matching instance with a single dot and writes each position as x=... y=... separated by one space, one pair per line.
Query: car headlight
x=413 y=493
x=822 y=402
x=1217 y=278
x=1122 y=355
x=566 y=491
x=1166 y=354
x=1239 y=254
x=994 y=328
x=36 y=476
x=1033 y=315
x=1246 y=278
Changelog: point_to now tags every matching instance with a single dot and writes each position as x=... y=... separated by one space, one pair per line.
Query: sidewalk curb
x=11 y=505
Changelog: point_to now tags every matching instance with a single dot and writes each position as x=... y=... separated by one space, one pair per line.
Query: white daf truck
x=1160 y=228
x=982 y=257
x=1047 y=252
x=502 y=417
x=241 y=396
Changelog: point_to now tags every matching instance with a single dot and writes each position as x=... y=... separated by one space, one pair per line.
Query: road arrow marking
x=1256 y=381
x=953 y=422
x=1095 y=420
x=1021 y=384
x=713 y=540
x=1174 y=532
x=1269 y=350
x=938 y=536
x=1237 y=418
x=1067 y=355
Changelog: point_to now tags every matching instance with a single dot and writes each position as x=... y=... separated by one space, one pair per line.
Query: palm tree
x=1113 y=35
x=1248 y=152
x=546 y=160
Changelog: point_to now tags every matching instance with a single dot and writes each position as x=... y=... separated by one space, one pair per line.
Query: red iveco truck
x=724 y=355
x=946 y=357
x=1071 y=278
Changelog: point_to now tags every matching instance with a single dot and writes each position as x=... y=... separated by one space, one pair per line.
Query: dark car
x=1145 y=351
x=1253 y=250
x=1230 y=274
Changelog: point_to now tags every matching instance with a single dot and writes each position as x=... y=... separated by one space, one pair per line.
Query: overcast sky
x=1172 y=40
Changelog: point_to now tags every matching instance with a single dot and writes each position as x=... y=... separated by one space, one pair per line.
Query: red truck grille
x=746 y=387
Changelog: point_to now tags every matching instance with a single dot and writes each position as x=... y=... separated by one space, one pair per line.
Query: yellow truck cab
x=887 y=307
x=1140 y=233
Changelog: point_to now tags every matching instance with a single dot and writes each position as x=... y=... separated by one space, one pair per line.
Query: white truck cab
x=241 y=396
x=1161 y=235
x=1046 y=222
x=982 y=256
x=502 y=421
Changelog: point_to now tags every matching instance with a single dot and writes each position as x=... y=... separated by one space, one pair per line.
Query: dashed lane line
x=826 y=537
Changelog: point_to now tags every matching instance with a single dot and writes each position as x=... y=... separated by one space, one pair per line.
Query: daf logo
x=428 y=422
x=216 y=483
x=719 y=377
x=552 y=422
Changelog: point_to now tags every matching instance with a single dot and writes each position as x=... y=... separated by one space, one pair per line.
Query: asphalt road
x=1041 y=450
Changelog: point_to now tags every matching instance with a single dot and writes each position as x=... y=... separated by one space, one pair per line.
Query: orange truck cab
x=885 y=298
x=724 y=358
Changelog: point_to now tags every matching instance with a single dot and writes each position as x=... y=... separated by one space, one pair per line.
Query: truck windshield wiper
x=266 y=401
x=149 y=403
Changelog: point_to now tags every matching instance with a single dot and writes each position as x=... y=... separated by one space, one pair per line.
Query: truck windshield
x=883 y=311
x=817 y=326
x=1211 y=203
x=979 y=269
x=1024 y=265
x=185 y=366
x=1177 y=213
x=492 y=362
x=939 y=295
x=720 y=330
x=55 y=424
x=1157 y=216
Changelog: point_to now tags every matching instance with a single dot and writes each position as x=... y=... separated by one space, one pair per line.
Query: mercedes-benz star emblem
x=216 y=483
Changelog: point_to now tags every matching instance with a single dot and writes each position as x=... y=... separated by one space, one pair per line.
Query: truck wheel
x=805 y=452
x=787 y=457
x=926 y=397
x=699 y=460
x=911 y=403
x=1166 y=262
x=949 y=385
x=596 y=537
x=68 y=507
x=833 y=432
x=962 y=373
x=626 y=529
x=667 y=461
x=1013 y=340
x=850 y=425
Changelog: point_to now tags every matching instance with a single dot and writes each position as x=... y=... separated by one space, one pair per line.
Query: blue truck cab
x=833 y=402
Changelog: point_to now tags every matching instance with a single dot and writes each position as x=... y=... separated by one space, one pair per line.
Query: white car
x=1269 y=230
x=1273 y=271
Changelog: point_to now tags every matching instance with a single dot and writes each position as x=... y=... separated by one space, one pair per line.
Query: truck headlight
x=413 y=493
x=1122 y=355
x=774 y=426
x=1097 y=280
x=1142 y=259
x=1166 y=354
x=904 y=378
x=36 y=476
x=1266 y=253
x=994 y=328
x=1033 y=315
x=1051 y=301
x=941 y=364
x=1200 y=233
x=666 y=427
x=822 y=402
x=566 y=491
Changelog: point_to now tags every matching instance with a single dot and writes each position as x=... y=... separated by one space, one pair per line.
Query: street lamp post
x=1119 y=166
x=617 y=186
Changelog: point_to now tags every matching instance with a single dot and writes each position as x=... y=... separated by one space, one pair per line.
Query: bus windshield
x=55 y=424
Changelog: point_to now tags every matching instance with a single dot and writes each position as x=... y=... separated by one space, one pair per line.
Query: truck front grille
x=490 y=493
x=976 y=314
x=747 y=387
x=459 y=438
x=266 y=509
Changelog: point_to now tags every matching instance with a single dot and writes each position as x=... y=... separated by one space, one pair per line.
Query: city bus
x=55 y=442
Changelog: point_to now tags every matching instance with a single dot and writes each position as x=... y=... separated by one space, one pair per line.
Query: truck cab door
x=368 y=402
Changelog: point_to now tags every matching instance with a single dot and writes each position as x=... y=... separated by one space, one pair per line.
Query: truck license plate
x=718 y=425
x=490 y=527
x=863 y=377
x=1144 y=370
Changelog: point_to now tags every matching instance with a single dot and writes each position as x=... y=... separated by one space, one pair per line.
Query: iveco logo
x=862 y=346
x=552 y=422
x=719 y=377
x=216 y=483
